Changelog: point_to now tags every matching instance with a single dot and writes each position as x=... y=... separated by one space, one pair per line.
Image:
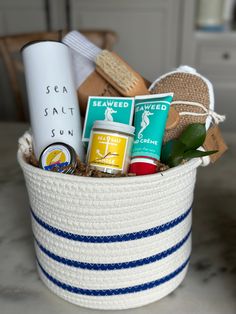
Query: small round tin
x=110 y=146
x=58 y=157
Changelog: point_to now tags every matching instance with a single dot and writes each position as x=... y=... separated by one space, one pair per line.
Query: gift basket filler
x=111 y=198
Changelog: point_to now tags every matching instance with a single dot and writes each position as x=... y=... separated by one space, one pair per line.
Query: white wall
x=148 y=30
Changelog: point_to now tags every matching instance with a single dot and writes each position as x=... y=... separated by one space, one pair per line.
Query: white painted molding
x=57 y=14
x=188 y=46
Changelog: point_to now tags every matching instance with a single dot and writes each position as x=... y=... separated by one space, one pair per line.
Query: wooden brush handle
x=94 y=85
x=173 y=118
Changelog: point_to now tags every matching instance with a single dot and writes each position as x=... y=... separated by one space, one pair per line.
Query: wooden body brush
x=116 y=71
x=110 y=66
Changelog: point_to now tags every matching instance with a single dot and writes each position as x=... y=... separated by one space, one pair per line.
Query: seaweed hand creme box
x=116 y=109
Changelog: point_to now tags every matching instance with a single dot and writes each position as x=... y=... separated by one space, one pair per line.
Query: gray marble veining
x=209 y=287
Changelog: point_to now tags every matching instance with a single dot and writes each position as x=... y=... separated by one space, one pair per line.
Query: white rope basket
x=111 y=243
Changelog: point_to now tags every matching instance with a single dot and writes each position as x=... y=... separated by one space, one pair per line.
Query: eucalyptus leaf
x=174 y=161
x=198 y=153
x=193 y=136
x=166 y=151
x=171 y=149
x=185 y=147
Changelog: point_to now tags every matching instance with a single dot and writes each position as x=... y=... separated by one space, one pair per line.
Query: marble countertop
x=209 y=287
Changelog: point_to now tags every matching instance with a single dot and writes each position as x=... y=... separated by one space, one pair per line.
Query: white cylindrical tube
x=53 y=104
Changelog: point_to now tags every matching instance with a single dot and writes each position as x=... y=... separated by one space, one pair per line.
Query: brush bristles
x=117 y=71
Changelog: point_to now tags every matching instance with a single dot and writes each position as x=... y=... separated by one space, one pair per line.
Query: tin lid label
x=108 y=150
x=55 y=156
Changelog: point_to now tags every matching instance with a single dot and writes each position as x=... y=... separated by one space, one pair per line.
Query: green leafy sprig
x=185 y=147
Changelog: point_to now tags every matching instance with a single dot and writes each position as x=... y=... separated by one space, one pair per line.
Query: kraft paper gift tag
x=215 y=141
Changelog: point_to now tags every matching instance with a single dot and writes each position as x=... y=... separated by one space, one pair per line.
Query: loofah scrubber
x=193 y=98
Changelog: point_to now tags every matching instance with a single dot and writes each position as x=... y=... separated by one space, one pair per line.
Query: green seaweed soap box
x=116 y=109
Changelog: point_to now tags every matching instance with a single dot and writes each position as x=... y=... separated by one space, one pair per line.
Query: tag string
x=217 y=118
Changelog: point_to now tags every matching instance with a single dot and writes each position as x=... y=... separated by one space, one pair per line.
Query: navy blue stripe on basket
x=118 y=291
x=114 y=266
x=113 y=238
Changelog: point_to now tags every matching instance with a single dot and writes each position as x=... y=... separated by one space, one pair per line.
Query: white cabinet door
x=225 y=95
x=27 y=16
x=22 y=16
x=148 y=30
x=215 y=57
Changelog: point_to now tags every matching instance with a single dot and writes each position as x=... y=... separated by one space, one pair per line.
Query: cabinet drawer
x=217 y=59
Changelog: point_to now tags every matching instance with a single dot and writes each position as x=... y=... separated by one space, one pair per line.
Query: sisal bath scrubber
x=193 y=98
